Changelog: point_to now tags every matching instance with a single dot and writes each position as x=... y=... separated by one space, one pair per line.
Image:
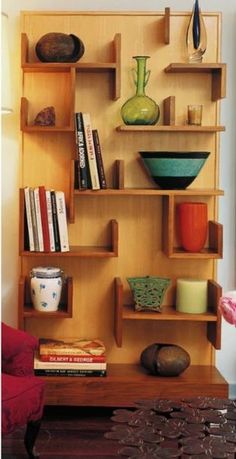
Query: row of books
x=46 y=222
x=79 y=357
x=89 y=167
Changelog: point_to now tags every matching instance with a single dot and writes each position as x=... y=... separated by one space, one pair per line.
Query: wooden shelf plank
x=30 y=312
x=75 y=251
x=207 y=253
x=47 y=67
x=149 y=192
x=170 y=128
x=179 y=67
x=167 y=313
x=41 y=129
x=126 y=383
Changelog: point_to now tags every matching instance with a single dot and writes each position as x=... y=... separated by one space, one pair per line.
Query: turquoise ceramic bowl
x=173 y=170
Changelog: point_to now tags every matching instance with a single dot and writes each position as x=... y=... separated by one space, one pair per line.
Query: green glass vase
x=140 y=109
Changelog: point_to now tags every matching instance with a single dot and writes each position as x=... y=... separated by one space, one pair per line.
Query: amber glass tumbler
x=192 y=225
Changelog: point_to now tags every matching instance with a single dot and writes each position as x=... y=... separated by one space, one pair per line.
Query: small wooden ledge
x=169 y=110
x=26 y=308
x=218 y=72
x=31 y=128
x=215 y=236
x=169 y=313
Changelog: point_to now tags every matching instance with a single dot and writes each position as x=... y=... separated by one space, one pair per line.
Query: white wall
x=226 y=358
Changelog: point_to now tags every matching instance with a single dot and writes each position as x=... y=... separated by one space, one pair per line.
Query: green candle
x=191 y=296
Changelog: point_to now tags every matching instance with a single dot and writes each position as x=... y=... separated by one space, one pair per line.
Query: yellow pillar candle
x=191 y=296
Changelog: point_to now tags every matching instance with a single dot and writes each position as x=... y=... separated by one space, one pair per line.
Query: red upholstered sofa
x=22 y=392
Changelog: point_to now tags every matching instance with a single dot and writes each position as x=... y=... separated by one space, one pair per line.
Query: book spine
x=50 y=221
x=29 y=219
x=34 y=221
x=77 y=175
x=38 y=219
x=73 y=358
x=55 y=222
x=83 y=170
x=91 y=151
x=44 y=218
x=39 y=365
x=62 y=220
x=79 y=373
x=99 y=159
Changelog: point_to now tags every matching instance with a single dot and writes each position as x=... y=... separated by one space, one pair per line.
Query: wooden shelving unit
x=128 y=229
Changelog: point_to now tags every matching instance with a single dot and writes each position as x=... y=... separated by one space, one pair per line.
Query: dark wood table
x=197 y=428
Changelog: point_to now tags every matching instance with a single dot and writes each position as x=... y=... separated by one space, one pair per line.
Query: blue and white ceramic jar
x=46 y=286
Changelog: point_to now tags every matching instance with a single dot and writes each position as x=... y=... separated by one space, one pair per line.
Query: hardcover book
x=38 y=219
x=34 y=221
x=41 y=365
x=29 y=219
x=50 y=221
x=91 y=152
x=83 y=170
x=78 y=373
x=79 y=347
x=44 y=218
x=73 y=358
x=55 y=222
x=99 y=159
x=62 y=221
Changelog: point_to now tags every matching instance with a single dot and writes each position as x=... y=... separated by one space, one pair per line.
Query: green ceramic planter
x=148 y=292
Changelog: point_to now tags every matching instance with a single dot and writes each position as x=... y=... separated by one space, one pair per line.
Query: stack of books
x=79 y=357
x=46 y=221
x=89 y=167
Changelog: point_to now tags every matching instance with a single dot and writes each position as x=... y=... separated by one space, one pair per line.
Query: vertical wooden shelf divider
x=118 y=322
x=214 y=329
x=167 y=26
x=117 y=49
x=169 y=111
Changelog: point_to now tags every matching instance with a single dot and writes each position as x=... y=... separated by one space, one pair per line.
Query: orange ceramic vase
x=192 y=225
